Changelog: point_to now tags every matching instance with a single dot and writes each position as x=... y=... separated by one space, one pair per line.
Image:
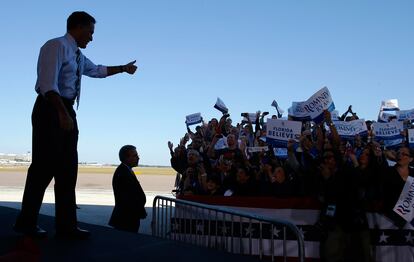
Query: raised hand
x=130 y=68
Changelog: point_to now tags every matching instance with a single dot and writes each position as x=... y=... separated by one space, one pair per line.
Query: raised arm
x=336 y=140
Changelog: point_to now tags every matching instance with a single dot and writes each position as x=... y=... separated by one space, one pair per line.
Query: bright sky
x=191 y=52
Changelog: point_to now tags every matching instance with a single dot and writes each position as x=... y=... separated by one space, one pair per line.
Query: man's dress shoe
x=75 y=234
x=36 y=231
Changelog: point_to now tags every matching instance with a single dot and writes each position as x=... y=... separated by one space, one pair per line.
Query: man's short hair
x=79 y=18
x=123 y=152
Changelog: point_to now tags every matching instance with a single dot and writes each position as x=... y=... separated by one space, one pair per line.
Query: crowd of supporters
x=346 y=176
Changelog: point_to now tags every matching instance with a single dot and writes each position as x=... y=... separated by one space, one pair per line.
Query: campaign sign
x=335 y=115
x=280 y=152
x=405 y=204
x=257 y=149
x=385 y=117
x=298 y=112
x=393 y=144
x=279 y=132
x=279 y=110
x=348 y=130
x=390 y=105
x=221 y=106
x=388 y=131
x=405 y=115
x=411 y=138
x=319 y=102
x=252 y=117
x=193 y=119
x=221 y=144
x=312 y=109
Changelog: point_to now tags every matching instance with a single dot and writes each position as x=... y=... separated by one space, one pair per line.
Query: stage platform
x=105 y=244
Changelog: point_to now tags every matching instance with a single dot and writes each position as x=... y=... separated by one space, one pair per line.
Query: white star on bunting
x=383 y=238
x=275 y=231
x=224 y=230
x=249 y=230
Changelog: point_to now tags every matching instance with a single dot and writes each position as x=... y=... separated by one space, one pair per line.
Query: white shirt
x=56 y=67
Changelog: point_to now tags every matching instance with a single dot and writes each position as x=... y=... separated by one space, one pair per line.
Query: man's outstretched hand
x=130 y=68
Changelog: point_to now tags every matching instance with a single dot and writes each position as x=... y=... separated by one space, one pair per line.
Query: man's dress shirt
x=57 y=66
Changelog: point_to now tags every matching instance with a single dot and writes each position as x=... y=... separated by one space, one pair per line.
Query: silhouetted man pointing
x=60 y=67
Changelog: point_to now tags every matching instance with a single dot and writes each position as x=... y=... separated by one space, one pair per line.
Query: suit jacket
x=129 y=200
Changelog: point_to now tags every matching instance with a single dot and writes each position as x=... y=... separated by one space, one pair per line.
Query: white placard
x=349 y=129
x=279 y=110
x=388 y=131
x=319 y=102
x=280 y=152
x=385 y=117
x=193 y=119
x=405 y=204
x=335 y=115
x=313 y=107
x=298 y=112
x=411 y=138
x=252 y=117
x=256 y=149
x=221 y=144
x=389 y=105
x=279 y=132
x=405 y=115
x=221 y=106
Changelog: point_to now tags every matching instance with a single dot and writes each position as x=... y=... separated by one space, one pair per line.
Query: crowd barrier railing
x=223 y=229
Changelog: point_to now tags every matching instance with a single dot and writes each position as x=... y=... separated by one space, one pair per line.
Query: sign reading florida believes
x=388 y=131
x=348 y=130
x=279 y=132
x=312 y=109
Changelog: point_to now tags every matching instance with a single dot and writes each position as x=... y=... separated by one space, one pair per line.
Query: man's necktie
x=78 y=77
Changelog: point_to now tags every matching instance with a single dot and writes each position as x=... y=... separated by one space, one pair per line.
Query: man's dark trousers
x=54 y=155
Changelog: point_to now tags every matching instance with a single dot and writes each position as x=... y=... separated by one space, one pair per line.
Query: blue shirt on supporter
x=57 y=66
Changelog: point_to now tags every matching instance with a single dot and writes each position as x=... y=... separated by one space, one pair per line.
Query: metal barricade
x=223 y=228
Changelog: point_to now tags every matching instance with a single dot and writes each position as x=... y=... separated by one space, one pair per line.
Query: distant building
x=15 y=159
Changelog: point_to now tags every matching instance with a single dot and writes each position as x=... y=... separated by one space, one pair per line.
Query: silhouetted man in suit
x=129 y=197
